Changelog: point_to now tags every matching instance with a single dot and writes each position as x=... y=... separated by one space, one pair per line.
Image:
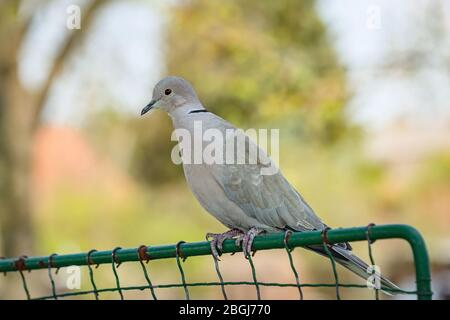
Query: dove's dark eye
x=167 y=92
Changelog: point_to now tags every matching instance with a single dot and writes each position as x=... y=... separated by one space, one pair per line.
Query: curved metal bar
x=262 y=242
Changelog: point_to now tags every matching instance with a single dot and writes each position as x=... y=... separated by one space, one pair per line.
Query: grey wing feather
x=269 y=199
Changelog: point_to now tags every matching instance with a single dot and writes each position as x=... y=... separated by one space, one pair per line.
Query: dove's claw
x=238 y=240
x=213 y=245
x=247 y=241
x=217 y=240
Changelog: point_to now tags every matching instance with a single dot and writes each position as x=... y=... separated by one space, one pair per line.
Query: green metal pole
x=264 y=242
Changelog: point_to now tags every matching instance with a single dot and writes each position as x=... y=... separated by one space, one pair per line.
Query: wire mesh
x=182 y=250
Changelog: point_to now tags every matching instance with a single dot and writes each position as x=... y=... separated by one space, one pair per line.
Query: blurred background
x=359 y=91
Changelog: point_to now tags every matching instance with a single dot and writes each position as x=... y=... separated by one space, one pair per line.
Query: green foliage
x=140 y=146
x=257 y=60
x=151 y=158
x=256 y=63
x=436 y=170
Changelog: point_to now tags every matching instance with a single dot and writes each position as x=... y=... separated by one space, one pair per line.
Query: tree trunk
x=15 y=139
x=20 y=113
x=17 y=132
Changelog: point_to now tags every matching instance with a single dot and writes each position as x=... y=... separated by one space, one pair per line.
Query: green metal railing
x=183 y=250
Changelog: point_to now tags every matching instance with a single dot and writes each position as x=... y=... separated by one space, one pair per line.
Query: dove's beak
x=148 y=107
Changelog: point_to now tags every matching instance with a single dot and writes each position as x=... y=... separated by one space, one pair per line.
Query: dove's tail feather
x=343 y=255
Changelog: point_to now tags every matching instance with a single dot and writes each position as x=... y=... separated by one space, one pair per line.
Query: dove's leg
x=217 y=240
x=247 y=240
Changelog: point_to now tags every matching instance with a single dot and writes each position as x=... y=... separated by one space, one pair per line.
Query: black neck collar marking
x=198 y=111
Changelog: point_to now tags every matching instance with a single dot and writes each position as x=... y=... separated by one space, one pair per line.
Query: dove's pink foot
x=247 y=240
x=217 y=240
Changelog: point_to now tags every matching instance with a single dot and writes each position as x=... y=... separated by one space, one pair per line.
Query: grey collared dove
x=236 y=193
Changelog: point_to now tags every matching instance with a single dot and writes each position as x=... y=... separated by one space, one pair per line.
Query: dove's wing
x=270 y=199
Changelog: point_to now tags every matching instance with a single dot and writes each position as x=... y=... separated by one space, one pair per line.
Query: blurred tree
x=139 y=148
x=258 y=60
x=20 y=112
x=258 y=63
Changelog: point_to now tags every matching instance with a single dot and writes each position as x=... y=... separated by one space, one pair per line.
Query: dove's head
x=171 y=93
